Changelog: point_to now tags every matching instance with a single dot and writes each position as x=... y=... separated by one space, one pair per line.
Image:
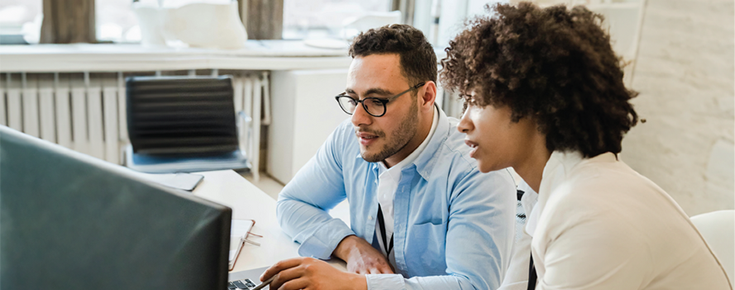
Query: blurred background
x=679 y=55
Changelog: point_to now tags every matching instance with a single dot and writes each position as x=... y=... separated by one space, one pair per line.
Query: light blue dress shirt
x=453 y=225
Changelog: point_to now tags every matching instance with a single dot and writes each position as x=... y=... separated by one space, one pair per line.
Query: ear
x=427 y=96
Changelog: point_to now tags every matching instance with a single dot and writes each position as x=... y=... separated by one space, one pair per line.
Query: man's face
x=380 y=76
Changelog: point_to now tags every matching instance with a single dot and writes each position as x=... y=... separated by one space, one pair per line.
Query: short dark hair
x=417 y=57
x=554 y=65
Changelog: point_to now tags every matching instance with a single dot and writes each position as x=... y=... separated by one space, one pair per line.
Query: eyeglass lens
x=373 y=106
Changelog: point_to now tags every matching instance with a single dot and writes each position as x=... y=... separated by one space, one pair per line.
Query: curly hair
x=553 y=65
x=417 y=57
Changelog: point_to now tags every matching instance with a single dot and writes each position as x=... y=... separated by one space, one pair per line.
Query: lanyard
x=531 y=275
x=381 y=222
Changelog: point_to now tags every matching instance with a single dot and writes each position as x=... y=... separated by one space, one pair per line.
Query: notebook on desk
x=239 y=234
x=240 y=231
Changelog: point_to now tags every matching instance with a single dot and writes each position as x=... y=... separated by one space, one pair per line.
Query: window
x=21 y=20
x=116 y=22
x=441 y=20
x=325 y=18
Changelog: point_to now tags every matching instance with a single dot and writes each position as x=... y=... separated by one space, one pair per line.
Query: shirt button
x=370 y=217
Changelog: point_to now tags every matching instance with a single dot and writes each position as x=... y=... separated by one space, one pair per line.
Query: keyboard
x=245 y=284
x=245 y=280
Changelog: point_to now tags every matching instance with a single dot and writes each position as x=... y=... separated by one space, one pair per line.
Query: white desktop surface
x=228 y=188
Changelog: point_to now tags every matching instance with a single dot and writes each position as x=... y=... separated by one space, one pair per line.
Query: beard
x=398 y=139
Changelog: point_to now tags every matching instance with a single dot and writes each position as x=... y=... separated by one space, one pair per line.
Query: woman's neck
x=531 y=168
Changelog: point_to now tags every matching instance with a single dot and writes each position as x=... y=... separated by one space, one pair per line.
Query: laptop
x=246 y=280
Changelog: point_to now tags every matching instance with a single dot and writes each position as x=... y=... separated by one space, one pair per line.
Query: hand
x=361 y=257
x=310 y=273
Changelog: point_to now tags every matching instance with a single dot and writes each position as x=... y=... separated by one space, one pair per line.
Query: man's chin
x=369 y=156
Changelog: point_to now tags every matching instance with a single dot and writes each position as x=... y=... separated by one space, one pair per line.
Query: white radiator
x=86 y=112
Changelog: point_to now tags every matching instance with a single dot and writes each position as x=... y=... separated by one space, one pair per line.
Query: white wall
x=684 y=74
x=304 y=114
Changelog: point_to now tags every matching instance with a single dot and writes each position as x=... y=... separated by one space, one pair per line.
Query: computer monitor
x=71 y=221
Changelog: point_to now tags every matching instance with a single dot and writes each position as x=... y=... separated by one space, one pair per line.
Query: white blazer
x=598 y=224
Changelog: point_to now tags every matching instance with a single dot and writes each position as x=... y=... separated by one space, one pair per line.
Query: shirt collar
x=556 y=171
x=416 y=153
x=427 y=157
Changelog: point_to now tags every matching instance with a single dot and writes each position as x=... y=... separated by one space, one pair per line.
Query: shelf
x=257 y=55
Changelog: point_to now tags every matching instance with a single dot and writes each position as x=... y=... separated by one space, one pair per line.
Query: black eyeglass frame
x=383 y=101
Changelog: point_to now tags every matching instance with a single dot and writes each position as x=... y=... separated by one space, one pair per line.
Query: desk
x=228 y=188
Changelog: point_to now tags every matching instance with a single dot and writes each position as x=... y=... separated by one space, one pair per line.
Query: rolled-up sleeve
x=303 y=204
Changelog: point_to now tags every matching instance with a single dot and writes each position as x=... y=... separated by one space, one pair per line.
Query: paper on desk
x=184 y=181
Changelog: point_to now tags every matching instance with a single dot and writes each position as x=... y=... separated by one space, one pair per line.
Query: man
x=418 y=205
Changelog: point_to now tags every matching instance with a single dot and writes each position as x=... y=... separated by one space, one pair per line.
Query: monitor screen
x=71 y=221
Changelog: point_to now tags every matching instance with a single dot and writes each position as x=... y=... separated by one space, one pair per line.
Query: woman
x=545 y=95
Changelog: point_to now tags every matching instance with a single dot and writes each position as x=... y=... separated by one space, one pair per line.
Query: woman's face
x=497 y=141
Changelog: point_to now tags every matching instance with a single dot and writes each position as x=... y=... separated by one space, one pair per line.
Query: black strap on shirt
x=381 y=223
x=531 y=275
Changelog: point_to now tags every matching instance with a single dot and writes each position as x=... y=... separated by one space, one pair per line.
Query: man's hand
x=310 y=273
x=361 y=257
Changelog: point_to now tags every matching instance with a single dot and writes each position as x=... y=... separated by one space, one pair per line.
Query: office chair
x=184 y=124
x=717 y=228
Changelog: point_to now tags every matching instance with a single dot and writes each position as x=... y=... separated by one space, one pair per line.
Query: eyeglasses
x=373 y=106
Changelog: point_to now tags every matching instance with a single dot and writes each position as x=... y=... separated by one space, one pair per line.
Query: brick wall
x=684 y=73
